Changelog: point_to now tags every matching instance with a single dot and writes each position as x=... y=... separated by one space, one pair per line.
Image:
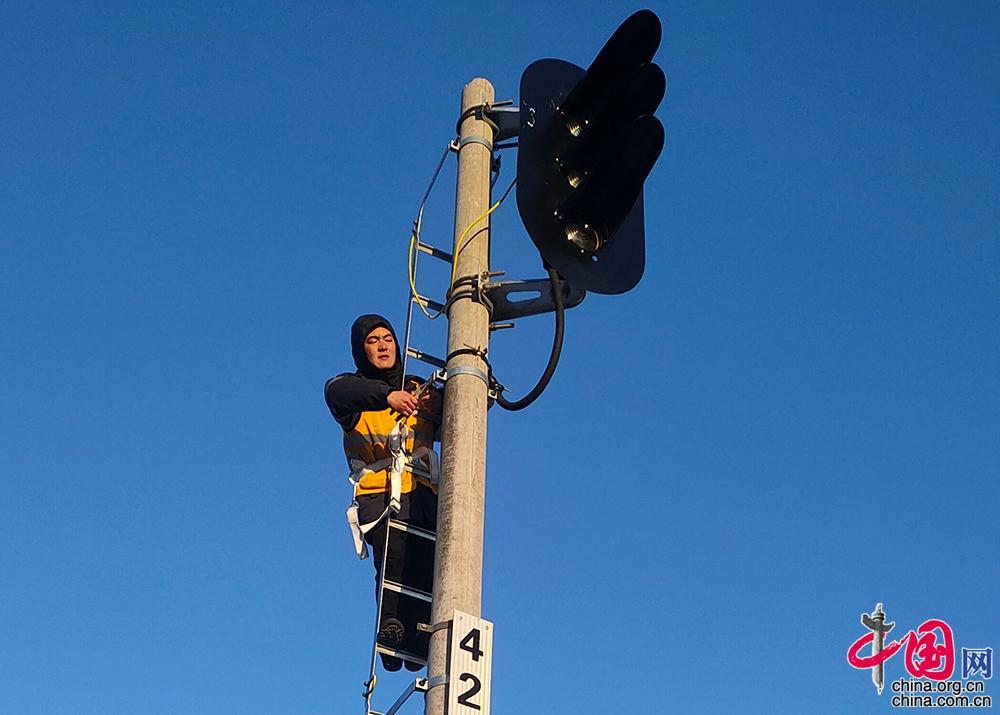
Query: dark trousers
x=418 y=508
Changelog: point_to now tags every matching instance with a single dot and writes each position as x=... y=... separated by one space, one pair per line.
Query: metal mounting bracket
x=502 y=116
x=504 y=308
x=425 y=357
x=420 y=685
x=434 y=628
x=506 y=121
x=435 y=681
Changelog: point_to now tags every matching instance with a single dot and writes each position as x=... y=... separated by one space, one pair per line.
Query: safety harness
x=422 y=462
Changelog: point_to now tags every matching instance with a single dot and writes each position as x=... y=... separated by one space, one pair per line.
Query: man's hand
x=402 y=402
x=431 y=402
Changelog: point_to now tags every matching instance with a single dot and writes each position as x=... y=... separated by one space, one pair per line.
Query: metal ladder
x=411 y=601
x=415 y=299
x=414 y=598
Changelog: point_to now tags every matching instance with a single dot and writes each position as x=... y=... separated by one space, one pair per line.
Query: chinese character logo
x=877 y=626
x=924 y=657
x=977 y=661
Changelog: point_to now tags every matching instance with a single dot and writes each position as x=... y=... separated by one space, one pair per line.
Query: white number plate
x=469 y=669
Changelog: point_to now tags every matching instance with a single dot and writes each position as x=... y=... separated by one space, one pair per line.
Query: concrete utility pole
x=458 y=570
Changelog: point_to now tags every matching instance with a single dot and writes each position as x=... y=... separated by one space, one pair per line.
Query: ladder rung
x=405 y=655
x=431 y=251
x=424 y=357
x=407 y=591
x=432 y=304
x=415 y=530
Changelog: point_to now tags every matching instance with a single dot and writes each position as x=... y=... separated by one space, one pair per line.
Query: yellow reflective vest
x=368 y=441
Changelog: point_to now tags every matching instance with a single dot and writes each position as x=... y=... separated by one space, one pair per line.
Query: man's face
x=380 y=348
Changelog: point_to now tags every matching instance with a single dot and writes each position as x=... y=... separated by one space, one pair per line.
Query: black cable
x=475 y=352
x=557 y=341
x=483 y=108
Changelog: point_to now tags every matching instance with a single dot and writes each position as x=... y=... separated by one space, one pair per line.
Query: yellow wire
x=459 y=246
x=421 y=301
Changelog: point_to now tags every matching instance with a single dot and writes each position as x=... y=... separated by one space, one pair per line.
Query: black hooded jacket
x=350 y=394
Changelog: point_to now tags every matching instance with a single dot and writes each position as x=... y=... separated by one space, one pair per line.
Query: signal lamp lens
x=576 y=126
x=585 y=237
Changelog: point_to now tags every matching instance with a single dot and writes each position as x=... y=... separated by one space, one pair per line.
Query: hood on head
x=359 y=331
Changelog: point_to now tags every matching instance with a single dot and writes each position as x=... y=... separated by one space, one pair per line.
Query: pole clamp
x=473 y=287
x=434 y=682
x=445 y=375
x=458 y=144
x=423 y=627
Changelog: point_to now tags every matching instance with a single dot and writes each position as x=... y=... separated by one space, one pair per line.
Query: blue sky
x=794 y=415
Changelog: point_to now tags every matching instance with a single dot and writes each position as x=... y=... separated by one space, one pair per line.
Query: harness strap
x=397 y=448
x=358 y=531
x=424 y=462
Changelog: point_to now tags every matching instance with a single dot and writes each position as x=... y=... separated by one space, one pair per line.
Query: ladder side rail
x=411 y=270
x=415 y=238
x=370 y=683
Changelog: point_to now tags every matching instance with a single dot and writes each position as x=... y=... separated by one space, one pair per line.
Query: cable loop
x=481 y=109
x=475 y=352
x=550 y=368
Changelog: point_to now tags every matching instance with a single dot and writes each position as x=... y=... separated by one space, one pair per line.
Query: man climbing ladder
x=389 y=426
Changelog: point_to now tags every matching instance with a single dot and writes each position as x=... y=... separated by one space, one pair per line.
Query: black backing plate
x=542 y=189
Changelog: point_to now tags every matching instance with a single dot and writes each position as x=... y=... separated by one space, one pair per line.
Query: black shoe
x=412 y=666
x=391 y=633
x=391 y=663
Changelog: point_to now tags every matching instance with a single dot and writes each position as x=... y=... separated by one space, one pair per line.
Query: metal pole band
x=467 y=370
x=474 y=140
